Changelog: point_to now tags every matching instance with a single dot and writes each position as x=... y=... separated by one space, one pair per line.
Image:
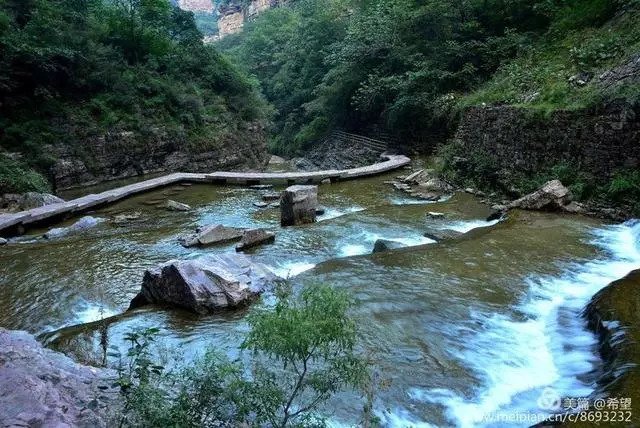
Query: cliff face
x=601 y=140
x=125 y=154
x=233 y=17
x=205 y=6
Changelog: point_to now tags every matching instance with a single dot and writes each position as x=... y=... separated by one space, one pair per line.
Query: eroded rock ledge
x=614 y=315
x=43 y=388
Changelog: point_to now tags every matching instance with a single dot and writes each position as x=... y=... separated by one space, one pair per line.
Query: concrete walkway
x=17 y=223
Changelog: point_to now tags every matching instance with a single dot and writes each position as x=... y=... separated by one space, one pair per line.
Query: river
x=464 y=331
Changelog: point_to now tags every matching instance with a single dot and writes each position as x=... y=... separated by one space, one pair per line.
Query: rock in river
x=382 y=245
x=440 y=235
x=211 y=235
x=254 y=237
x=177 y=206
x=82 y=224
x=43 y=388
x=298 y=205
x=553 y=196
x=3 y=241
x=205 y=285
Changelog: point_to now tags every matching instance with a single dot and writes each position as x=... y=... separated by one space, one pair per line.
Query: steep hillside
x=568 y=108
x=107 y=91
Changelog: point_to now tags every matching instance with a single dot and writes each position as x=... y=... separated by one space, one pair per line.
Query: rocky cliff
x=233 y=17
x=601 y=140
x=127 y=154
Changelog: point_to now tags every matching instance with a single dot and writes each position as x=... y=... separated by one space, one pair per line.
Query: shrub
x=17 y=177
x=302 y=352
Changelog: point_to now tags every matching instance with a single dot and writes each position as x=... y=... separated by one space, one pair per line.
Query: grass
x=17 y=177
x=581 y=43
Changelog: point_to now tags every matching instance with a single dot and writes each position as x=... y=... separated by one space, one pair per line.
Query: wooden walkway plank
x=85 y=203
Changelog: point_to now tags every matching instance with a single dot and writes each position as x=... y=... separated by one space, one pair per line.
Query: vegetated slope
x=74 y=74
x=567 y=108
x=413 y=68
x=396 y=64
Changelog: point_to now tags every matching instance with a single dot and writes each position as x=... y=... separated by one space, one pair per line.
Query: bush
x=302 y=353
x=17 y=177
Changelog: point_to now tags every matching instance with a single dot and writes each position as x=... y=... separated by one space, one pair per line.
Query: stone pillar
x=298 y=205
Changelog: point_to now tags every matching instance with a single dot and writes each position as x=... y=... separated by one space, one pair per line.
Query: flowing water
x=463 y=331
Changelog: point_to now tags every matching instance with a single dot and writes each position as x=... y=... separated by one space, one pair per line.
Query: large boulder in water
x=43 y=388
x=205 y=285
x=82 y=224
x=298 y=205
x=553 y=196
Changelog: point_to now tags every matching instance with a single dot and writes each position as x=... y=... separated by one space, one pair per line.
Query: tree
x=302 y=354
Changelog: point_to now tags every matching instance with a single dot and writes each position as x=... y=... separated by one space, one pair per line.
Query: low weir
x=17 y=223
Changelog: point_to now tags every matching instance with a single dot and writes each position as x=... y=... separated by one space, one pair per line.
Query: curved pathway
x=15 y=223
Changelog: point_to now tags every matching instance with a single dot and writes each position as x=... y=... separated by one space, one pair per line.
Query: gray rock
x=127 y=218
x=32 y=200
x=274 y=205
x=205 y=285
x=553 y=196
x=82 y=224
x=413 y=178
x=298 y=205
x=267 y=197
x=177 y=206
x=382 y=245
x=3 y=241
x=436 y=185
x=277 y=160
x=254 y=237
x=43 y=388
x=435 y=215
x=260 y=204
x=211 y=235
x=326 y=181
x=440 y=235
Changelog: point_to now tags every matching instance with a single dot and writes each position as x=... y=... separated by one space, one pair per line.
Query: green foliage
x=72 y=70
x=625 y=186
x=585 y=39
x=302 y=352
x=397 y=63
x=17 y=177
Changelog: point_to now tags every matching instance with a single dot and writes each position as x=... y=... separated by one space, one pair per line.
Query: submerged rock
x=254 y=237
x=205 y=285
x=126 y=218
x=260 y=204
x=82 y=224
x=43 y=388
x=177 y=206
x=553 y=196
x=440 y=235
x=298 y=205
x=212 y=235
x=382 y=245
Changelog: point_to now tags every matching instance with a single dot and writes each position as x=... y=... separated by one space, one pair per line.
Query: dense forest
x=71 y=70
x=409 y=66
